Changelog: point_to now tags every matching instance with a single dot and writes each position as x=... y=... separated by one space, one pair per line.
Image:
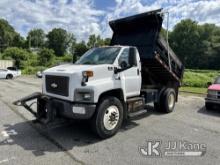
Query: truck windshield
x=217 y=81
x=105 y=55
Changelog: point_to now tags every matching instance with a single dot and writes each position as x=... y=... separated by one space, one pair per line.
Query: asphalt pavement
x=22 y=141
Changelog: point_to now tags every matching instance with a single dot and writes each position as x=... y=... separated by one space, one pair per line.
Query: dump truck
x=110 y=84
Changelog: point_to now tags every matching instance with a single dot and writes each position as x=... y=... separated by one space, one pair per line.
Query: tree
x=58 y=41
x=45 y=57
x=36 y=38
x=215 y=49
x=185 y=40
x=18 y=41
x=92 y=41
x=71 y=43
x=107 y=41
x=197 y=45
x=80 y=49
x=95 y=41
x=17 y=54
x=8 y=36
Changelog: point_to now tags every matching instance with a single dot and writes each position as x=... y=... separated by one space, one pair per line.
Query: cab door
x=130 y=72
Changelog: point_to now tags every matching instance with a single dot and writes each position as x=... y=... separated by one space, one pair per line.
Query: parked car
x=9 y=73
x=213 y=96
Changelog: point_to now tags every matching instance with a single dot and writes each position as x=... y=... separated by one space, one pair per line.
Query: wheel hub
x=171 y=101
x=111 y=117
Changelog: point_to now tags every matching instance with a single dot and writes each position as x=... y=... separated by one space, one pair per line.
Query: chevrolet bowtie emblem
x=54 y=85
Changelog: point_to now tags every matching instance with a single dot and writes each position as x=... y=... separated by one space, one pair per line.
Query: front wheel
x=9 y=76
x=108 y=117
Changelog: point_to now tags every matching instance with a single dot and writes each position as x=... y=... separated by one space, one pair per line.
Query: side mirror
x=116 y=70
x=123 y=65
x=209 y=83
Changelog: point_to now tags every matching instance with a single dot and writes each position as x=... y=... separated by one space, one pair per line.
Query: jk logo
x=152 y=149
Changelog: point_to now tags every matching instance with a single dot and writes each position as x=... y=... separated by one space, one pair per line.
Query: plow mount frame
x=23 y=102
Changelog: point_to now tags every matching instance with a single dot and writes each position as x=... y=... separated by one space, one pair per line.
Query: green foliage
x=19 y=55
x=45 y=57
x=8 y=36
x=71 y=43
x=67 y=58
x=199 y=78
x=107 y=41
x=58 y=41
x=185 y=40
x=95 y=41
x=36 y=38
x=194 y=90
x=198 y=46
x=80 y=49
x=33 y=69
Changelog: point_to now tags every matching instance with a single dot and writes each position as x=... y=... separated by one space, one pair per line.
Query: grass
x=194 y=90
x=199 y=78
x=195 y=81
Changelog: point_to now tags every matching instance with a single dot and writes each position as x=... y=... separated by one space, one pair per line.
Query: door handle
x=138 y=71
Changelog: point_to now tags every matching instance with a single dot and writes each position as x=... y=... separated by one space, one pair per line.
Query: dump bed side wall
x=138 y=31
x=143 y=32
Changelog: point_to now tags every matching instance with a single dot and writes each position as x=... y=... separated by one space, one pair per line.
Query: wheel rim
x=171 y=101
x=111 y=117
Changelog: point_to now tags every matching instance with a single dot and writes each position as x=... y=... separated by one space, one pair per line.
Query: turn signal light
x=88 y=73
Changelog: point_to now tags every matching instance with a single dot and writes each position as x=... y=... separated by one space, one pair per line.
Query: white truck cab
x=99 y=70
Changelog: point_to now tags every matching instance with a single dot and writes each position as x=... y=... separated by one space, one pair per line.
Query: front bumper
x=71 y=110
x=212 y=100
x=49 y=108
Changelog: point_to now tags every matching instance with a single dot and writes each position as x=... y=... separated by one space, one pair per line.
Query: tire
x=208 y=106
x=157 y=106
x=167 y=101
x=109 y=107
x=9 y=76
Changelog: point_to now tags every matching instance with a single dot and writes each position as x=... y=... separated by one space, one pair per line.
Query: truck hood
x=72 y=68
x=215 y=87
x=101 y=73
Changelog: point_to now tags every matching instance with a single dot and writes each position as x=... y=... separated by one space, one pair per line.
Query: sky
x=85 y=17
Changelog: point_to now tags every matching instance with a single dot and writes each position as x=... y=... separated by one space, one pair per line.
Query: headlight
x=212 y=92
x=84 y=95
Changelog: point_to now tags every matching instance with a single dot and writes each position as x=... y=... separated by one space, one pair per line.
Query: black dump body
x=143 y=32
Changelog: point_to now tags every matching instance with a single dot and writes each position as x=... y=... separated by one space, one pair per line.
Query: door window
x=124 y=59
x=128 y=58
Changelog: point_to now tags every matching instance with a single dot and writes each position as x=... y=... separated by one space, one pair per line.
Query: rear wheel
x=167 y=101
x=108 y=117
x=9 y=76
